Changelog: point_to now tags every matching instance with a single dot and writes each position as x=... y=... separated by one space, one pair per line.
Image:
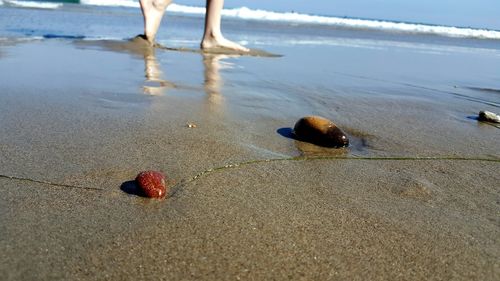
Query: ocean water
x=294 y=35
x=182 y=26
x=393 y=51
x=274 y=31
x=292 y=18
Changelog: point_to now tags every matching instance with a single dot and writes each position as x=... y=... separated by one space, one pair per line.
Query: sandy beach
x=416 y=195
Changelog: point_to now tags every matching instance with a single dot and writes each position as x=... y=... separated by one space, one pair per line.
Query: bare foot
x=213 y=42
x=143 y=39
x=153 y=11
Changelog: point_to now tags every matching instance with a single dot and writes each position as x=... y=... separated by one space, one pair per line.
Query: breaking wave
x=32 y=4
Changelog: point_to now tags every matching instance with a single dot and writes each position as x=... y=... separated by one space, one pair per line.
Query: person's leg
x=212 y=37
x=152 y=11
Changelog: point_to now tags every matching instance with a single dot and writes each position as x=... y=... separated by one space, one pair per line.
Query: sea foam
x=117 y=3
x=245 y=13
x=32 y=4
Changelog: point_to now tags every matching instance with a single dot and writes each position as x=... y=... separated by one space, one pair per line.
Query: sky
x=465 y=13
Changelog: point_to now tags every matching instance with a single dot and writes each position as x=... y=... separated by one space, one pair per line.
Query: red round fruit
x=152 y=184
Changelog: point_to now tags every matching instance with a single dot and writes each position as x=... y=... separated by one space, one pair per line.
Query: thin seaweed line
x=48 y=183
x=176 y=187
x=366 y=158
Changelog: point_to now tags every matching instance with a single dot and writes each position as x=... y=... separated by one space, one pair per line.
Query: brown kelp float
x=152 y=184
x=320 y=131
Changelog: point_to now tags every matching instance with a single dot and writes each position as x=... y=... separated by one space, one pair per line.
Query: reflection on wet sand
x=154 y=84
x=213 y=83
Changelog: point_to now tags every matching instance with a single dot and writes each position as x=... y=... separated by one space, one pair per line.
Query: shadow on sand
x=131 y=188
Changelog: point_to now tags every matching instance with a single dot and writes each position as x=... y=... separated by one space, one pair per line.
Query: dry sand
x=75 y=129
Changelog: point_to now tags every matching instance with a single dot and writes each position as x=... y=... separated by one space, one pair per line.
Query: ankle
x=213 y=35
x=150 y=38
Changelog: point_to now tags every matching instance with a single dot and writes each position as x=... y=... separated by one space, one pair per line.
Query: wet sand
x=415 y=197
